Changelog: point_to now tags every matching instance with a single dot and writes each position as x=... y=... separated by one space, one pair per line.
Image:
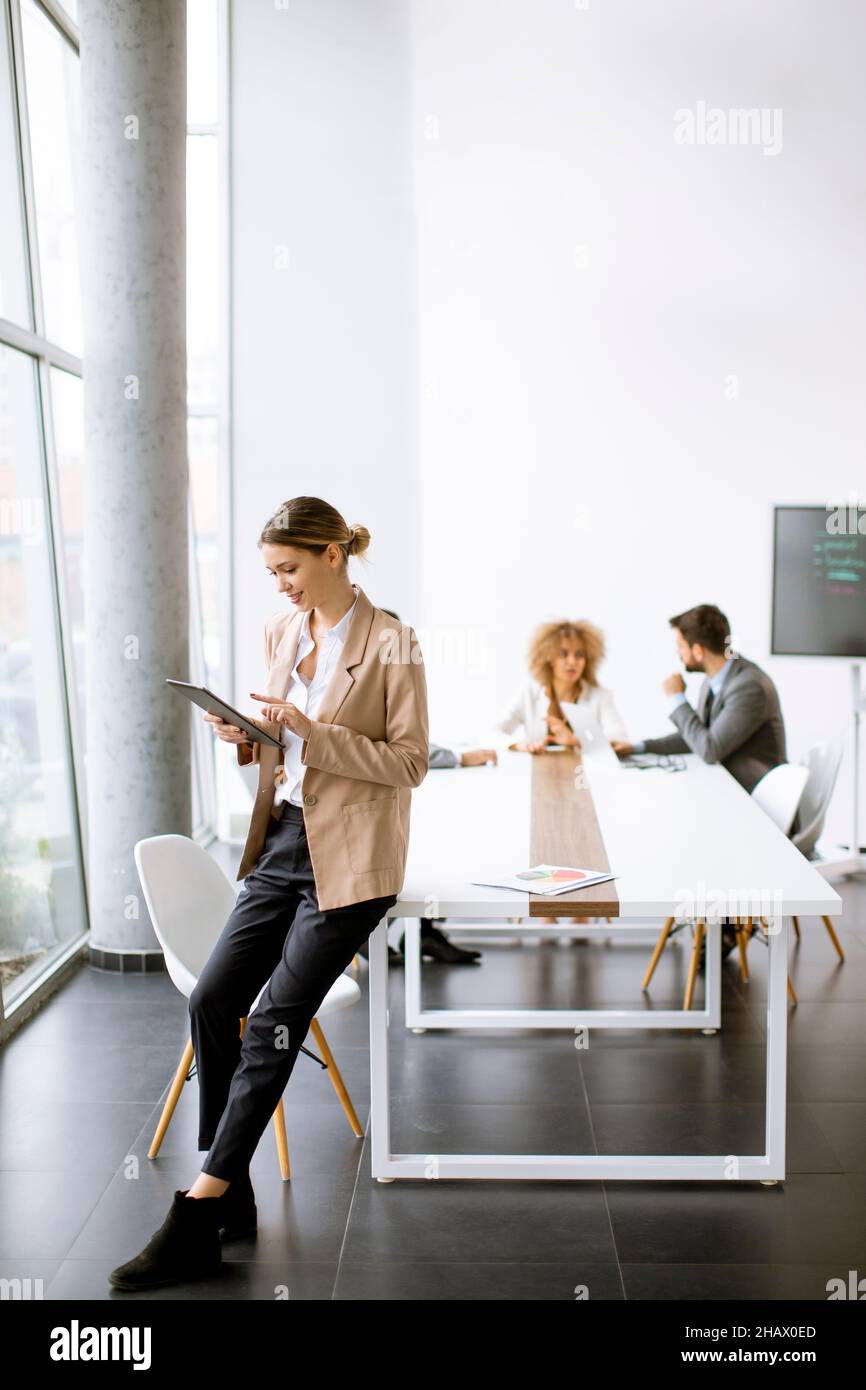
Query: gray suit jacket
x=746 y=732
x=442 y=757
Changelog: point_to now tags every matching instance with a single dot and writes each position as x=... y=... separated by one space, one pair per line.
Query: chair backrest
x=779 y=791
x=189 y=900
x=822 y=762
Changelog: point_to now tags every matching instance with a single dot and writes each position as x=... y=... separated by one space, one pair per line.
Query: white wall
x=586 y=286
x=324 y=374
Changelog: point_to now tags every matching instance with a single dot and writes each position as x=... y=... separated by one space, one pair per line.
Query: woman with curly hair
x=564 y=658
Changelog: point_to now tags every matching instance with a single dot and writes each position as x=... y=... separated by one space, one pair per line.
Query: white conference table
x=681 y=844
x=483 y=822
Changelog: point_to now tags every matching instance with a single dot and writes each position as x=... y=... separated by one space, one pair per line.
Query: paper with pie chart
x=546 y=878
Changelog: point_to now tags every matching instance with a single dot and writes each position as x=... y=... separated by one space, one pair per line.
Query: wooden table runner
x=565 y=830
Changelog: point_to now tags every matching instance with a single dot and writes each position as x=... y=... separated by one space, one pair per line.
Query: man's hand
x=622 y=750
x=477 y=756
x=229 y=733
x=674 y=685
x=284 y=712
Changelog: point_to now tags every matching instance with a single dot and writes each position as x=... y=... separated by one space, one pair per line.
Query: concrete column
x=133 y=191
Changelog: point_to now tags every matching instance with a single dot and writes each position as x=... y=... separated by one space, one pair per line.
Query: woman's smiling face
x=303 y=576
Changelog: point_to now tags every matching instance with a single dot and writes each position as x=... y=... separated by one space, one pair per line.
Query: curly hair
x=545 y=644
x=311 y=524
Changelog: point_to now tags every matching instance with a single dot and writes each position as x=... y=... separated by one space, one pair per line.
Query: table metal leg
x=412 y=971
x=777 y=1046
x=380 y=1088
x=766 y=1167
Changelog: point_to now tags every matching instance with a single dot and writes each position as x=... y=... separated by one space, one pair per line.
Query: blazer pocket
x=373 y=834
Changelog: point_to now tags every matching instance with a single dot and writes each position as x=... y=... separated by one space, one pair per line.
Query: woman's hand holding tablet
x=230 y=724
x=229 y=733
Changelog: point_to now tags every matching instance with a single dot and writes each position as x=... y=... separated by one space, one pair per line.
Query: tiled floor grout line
x=603 y=1185
x=349 y=1211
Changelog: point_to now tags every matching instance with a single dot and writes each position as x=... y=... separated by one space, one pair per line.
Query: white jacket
x=529 y=710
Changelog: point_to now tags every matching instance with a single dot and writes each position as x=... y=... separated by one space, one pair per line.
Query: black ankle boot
x=186 y=1246
x=434 y=935
x=237 y=1209
x=436 y=946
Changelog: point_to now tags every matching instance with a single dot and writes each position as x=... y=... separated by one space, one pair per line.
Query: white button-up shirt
x=307 y=695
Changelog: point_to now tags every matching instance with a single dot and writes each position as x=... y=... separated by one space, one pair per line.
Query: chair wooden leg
x=336 y=1079
x=833 y=937
x=693 y=964
x=279 y=1131
x=282 y=1141
x=796 y=922
x=659 y=947
x=171 y=1100
x=743 y=934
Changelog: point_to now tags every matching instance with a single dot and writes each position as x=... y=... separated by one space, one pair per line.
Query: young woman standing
x=324 y=860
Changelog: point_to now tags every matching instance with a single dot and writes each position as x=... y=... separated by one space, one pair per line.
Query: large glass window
x=205 y=305
x=203 y=483
x=14 y=291
x=52 y=79
x=67 y=401
x=202 y=27
x=41 y=893
x=202 y=270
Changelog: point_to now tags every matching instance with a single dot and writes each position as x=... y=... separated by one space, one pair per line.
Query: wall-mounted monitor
x=819 y=581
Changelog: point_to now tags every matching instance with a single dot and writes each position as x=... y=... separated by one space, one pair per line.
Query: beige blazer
x=369 y=745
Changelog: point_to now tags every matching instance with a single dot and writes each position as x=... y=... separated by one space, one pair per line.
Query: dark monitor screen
x=819 y=581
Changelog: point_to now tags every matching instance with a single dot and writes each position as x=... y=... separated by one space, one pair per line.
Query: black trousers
x=275 y=933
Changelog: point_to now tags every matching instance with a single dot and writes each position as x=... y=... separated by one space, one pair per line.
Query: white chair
x=778 y=793
x=189 y=900
x=822 y=763
x=799 y=794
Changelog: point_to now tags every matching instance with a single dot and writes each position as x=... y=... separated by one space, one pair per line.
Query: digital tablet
x=200 y=695
x=593 y=739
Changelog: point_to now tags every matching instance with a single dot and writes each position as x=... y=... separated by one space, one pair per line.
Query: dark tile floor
x=82 y=1086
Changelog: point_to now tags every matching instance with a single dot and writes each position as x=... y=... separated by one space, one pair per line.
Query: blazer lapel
x=718 y=700
x=354 y=647
x=277 y=684
x=702 y=701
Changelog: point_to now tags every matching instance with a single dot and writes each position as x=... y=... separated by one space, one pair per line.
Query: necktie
x=708 y=706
